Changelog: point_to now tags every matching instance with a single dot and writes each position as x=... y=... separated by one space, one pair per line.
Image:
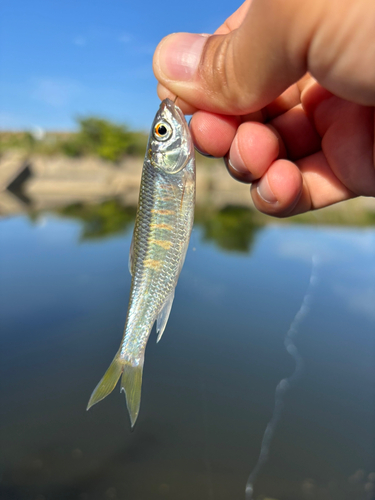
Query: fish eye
x=162 y=131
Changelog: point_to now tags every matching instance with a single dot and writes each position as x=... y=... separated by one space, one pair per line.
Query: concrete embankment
x=45 y=183
x=59 y=181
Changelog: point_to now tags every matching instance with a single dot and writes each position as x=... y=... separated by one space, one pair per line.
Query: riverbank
x=38 y=183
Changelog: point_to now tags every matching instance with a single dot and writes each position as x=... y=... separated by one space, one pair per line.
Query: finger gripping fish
x=161 y=236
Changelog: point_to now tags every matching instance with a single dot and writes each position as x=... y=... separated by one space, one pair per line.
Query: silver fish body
x=161 y=236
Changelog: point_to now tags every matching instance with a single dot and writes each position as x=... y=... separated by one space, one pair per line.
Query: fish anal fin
x=108 y=382
x=131 y=384
x=163 y=315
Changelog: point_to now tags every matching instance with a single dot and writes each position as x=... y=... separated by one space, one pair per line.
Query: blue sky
x=63 y=59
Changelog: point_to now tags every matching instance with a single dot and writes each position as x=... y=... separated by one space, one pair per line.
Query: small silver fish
x=161 y=236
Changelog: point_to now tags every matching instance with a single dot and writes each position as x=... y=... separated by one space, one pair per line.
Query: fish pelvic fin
x=108 y=382
x=131 y=384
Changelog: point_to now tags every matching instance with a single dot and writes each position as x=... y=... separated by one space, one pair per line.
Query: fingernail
x=203 y=153
x=246 y=178
x=179 y=55
x=264 y=190
x=235 y=158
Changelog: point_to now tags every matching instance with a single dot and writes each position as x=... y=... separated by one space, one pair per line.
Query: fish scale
x=161 y=235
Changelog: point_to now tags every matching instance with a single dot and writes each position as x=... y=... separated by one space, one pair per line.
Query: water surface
x=209 y=385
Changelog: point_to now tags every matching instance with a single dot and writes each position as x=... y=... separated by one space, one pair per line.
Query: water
x=209 y=385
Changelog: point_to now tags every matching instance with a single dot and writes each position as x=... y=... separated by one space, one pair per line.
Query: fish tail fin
x=108 y=382
x=131 y=384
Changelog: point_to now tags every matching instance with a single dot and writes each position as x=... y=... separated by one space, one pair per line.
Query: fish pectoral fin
x=131 y=252
x=108 y=382
x=163 y=316
x=131 y=384
x=183 y=194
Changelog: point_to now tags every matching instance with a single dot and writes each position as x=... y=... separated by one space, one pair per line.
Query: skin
x=290 y=103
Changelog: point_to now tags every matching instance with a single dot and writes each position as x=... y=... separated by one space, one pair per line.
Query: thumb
x=234 y=73
x=273 y=47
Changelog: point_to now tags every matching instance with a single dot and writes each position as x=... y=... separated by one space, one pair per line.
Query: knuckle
x=219 y=70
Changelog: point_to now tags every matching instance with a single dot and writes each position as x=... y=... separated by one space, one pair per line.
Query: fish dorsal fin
x=131 y=252
x=163 y=315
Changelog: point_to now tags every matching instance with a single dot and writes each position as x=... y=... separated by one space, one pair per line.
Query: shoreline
x=39 y=183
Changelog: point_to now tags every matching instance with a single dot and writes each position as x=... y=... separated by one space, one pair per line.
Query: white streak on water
x=286 y=383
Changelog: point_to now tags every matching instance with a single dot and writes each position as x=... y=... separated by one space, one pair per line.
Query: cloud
x=359 y=300
x=330 y=244
x=146 y=49
x=141 y=72
x=125 y=38
x=55 y=92
x=14 y=121
x=9 y=121
x=80 y=41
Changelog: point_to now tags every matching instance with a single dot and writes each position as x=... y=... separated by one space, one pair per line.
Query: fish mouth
x=169 y=107
x=172 y=108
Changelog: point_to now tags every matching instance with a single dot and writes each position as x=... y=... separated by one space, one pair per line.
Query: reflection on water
x=209 y=385
x=231 y=228
x=285 y=384
x=99 y=221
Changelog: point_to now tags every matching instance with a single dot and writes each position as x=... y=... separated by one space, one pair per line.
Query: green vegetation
x=23 y=141
x=95 y=136
x=232 y=228
x=104 y=139
x=100 y=221
x=351 y=213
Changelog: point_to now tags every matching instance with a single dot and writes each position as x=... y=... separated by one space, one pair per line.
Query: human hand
x=304 y=142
